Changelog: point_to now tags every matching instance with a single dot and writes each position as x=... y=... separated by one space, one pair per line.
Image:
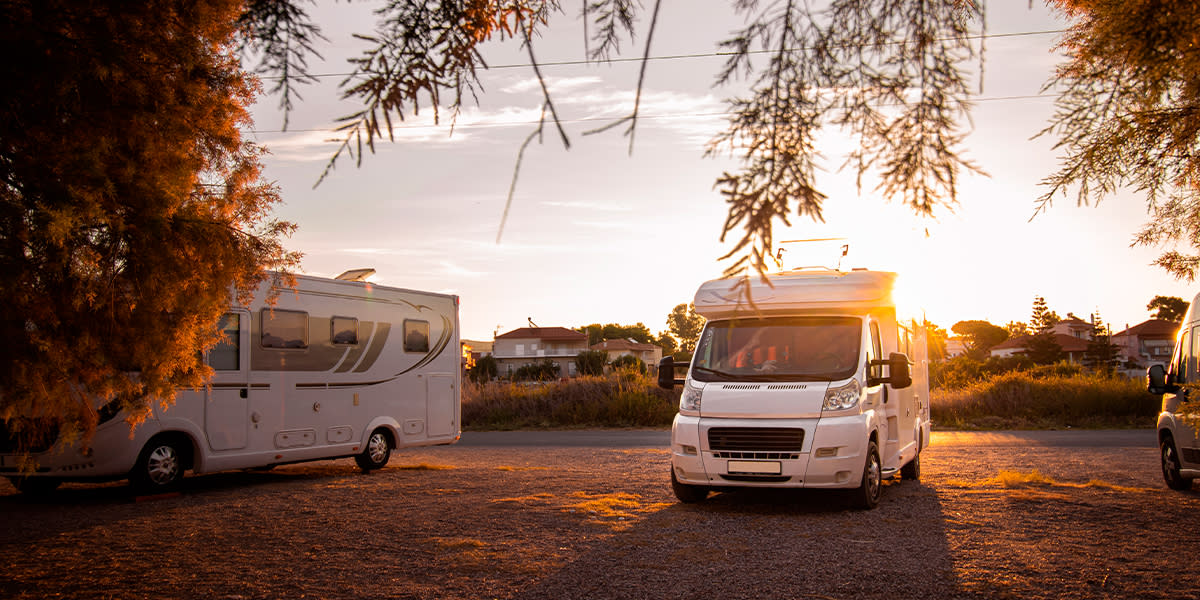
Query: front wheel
x=376 y=454
x=687 y=494
x=867 y=495
x=1171 y=467
x=160 y=466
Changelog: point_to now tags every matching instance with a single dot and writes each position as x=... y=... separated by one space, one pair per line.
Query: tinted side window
x=416 y=336
x=876 y=351
x=1180 y=366
x=343 y=330
x=226 y=355
x=284 y=329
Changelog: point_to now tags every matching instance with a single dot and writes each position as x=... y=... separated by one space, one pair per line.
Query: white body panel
x=828 y=448
x=1184 y=369
x=272 y=405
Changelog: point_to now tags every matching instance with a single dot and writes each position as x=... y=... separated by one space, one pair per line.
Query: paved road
x=653 y=438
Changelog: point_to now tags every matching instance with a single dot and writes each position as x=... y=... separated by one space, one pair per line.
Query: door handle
x=245 y=393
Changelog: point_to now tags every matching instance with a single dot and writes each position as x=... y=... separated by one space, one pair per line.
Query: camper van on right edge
x=1179 y=420
x=813 y=383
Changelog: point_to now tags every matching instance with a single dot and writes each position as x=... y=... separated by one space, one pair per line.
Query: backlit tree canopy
x=130 y=206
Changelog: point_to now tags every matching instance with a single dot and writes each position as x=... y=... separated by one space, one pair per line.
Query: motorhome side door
x=226 y=401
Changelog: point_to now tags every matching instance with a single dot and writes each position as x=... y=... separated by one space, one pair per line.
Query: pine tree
x=1101 y=355
x=1041 y=347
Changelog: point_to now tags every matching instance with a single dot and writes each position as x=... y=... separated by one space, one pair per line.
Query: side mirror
x=1156 y=381
x=666 y=373
x=899 y=371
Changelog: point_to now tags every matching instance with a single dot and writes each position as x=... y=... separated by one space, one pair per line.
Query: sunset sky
x=595 y=235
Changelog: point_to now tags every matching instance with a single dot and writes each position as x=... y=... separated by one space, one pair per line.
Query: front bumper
x=830 y=456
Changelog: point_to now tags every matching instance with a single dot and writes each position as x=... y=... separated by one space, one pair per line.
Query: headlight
x=690 y=400
x=842 y=398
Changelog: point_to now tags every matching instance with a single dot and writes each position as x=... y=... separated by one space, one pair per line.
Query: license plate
x=755 y=467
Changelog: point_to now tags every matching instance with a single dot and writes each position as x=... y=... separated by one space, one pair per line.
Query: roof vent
x=356 y=275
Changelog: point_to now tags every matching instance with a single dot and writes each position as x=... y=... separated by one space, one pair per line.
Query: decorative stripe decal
x=377 y=342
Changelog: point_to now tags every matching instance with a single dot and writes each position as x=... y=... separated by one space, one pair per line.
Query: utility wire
x=567 y=63
x=607 y=118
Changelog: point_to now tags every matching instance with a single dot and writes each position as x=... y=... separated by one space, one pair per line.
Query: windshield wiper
x=723 y=374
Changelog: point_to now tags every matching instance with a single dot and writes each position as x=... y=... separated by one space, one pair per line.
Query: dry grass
x=512 y=468
x=1018 y=400
x=1016 y=480
x=425 y=467
x=617 y=400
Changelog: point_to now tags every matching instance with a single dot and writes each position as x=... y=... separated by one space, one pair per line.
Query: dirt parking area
x=593 y=522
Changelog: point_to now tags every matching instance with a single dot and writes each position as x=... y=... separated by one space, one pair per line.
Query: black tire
x=35 y=486
x=912 y=469
x=160 y=466
x=1170 y=465
x=377 y=452
x=866 y=496
x=686 y=493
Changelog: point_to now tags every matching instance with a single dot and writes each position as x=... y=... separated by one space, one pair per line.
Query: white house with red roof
x=648 y=353
x=529 y=345
x=1147 y=343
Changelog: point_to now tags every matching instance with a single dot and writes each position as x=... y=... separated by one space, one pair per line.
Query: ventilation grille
x=787 y=386
x=741 y=386
x=758 y=455
x=756 y=439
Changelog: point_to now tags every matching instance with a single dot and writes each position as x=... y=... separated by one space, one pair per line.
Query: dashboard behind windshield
x=779 y=349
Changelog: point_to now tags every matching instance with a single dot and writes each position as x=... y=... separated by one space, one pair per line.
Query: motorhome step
x=889 y=472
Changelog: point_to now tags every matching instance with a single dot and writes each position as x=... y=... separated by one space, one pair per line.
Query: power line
x=568 y=63
x=595 y=119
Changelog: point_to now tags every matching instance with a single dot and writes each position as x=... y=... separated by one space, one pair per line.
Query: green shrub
x=1054 y=396
x=538 y=371
x=591 y=362
x=623 y=399
x=484 y=370
x=629 y=362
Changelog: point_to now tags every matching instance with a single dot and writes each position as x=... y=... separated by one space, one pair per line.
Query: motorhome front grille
x=758 y=478
x=758 y=455
x=756 y=439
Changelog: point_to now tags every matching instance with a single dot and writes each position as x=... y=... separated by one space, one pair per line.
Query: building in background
x=529 y=345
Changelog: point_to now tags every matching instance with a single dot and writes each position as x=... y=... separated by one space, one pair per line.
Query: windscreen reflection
x=779 y=349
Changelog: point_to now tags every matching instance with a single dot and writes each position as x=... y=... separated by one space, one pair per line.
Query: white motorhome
x=1179 y=420
x=816 y=384
x=336 y=368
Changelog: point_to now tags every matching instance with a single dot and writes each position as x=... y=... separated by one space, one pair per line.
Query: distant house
x=473 y=350
x=648 y=353
x=528 y=345
x=955 y=347
x=1147 y=343
x=1074 y=327
x=1073 y=347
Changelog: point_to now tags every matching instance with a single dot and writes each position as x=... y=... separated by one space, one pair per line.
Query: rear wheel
x=376 y=454
x=867 y=495
x=1170 y=465
x=160 y=466
x=686 y=493
x=912 y=470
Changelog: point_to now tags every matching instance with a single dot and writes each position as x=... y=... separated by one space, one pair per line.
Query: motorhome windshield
x=778 y=349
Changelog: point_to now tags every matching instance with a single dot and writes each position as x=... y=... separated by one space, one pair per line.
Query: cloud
x=556 y=85
x=587 y=206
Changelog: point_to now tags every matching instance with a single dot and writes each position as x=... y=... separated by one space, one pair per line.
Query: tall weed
x=622 y=399
x=1044 y=399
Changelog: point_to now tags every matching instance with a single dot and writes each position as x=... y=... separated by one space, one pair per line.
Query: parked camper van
x=334 y=369
x=1178 y=441
x=817 y=384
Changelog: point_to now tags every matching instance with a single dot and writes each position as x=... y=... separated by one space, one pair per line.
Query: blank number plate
x=756 y=467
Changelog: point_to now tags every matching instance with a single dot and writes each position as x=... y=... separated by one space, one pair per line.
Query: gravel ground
x=526 y=523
